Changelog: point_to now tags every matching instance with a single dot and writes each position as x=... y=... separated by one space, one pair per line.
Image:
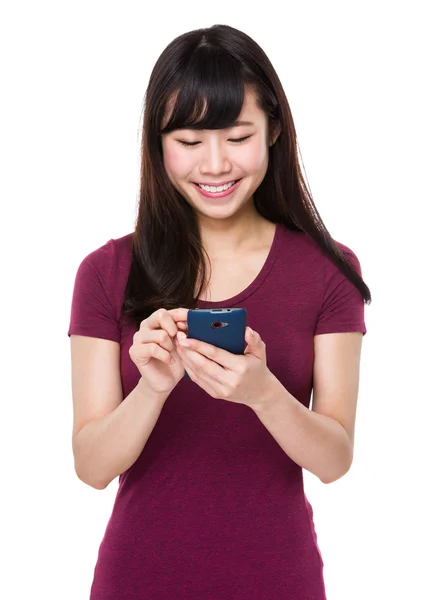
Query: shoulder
x=99 y=289
x=115 y=253
x=303 y=247
x=350 y=255
x=104 y=272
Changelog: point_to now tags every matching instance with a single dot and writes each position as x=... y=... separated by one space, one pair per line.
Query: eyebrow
x=234 y=124
x=240 y=123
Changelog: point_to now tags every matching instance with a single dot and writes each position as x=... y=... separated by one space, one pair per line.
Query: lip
x=216 y=184
x=218 y=195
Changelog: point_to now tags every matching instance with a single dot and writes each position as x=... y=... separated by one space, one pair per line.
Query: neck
x=235 y=236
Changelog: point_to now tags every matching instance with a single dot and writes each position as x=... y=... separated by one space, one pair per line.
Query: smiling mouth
x=218 y=192
x=228 y=184
x=218 y=184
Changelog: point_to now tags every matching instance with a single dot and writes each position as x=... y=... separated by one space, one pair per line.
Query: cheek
x=171 y=160
x=256 y=156
x=176 y=163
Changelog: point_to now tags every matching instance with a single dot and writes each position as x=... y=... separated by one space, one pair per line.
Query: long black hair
x=205 y=73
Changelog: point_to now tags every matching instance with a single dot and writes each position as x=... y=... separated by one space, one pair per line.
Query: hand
x=244 y=379
x=153 y=351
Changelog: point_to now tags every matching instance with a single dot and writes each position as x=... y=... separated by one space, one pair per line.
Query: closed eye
x=237 y=141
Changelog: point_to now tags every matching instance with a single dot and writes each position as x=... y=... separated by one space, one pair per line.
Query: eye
x=237 y=141
x=187 y=143
x=240 y=140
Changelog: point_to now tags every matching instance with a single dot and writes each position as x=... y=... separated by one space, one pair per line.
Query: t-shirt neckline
x=255 y=284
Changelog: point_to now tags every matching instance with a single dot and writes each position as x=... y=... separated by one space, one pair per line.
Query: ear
x=275 y=130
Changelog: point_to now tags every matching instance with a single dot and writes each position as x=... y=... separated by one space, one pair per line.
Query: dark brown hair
x=206 y=72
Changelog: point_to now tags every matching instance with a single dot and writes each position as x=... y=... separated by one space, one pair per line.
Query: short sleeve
x=342 y=305
x=92 y=311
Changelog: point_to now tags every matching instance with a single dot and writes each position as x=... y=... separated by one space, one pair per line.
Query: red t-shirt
x=213 y=508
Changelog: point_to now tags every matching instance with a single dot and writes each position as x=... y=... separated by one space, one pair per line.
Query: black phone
x=221 y=327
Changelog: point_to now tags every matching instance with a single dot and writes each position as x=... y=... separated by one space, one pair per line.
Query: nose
x=214 y=159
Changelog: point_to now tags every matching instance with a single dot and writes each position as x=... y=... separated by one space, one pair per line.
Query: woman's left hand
x=244 y=379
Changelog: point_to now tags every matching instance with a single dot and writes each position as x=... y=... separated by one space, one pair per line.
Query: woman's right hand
x=153 y=349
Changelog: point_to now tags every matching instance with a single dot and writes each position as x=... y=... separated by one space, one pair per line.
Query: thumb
x=255 y=343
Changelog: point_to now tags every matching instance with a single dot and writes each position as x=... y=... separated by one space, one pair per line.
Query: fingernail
x=180 y=336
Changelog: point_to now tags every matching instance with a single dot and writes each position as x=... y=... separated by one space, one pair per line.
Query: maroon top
x=213 y=508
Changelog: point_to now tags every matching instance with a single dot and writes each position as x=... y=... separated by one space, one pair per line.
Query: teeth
x=220 y=188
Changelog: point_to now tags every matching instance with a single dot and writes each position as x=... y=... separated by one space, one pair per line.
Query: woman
x=211 y=503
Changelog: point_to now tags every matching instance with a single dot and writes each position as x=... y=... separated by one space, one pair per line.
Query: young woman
x=211 y=504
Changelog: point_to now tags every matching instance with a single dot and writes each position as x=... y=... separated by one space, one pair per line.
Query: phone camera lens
x=216 y=325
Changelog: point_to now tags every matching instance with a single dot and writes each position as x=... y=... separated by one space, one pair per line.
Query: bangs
x=211 y=94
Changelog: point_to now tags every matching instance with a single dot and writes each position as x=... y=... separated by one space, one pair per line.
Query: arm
x=320 y=440
x=109 y=433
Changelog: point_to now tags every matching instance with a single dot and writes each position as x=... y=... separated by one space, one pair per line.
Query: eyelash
x=192 y=144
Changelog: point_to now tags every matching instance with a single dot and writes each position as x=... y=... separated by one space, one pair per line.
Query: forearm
x=315 y=442
x=107 y=447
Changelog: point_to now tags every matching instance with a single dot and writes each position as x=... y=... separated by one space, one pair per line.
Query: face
x=235 y=157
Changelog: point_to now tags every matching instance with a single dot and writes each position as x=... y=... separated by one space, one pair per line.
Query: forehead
x=250 y=112
x=250 y=106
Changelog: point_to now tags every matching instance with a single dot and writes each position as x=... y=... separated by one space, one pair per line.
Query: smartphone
x=221 y=327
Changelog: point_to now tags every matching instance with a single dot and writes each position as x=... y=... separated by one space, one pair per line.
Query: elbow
x=342 y=470
x=98 y=486
x=331 y=479
x=82 y=468
x=90 y=481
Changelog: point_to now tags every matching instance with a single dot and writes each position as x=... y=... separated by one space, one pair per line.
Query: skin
x=229 y=226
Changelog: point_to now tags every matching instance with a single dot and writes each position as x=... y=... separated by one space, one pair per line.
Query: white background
x=73 y=76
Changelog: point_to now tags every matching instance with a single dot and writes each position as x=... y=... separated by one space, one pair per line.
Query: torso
x=231 y=276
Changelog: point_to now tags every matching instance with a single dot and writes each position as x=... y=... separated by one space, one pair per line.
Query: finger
x=218 y=355
x=145 y=352
x=178 y=338
x=165 y=319
x=181 y=336
x=212 y=384
x=179 y=314
x=157 y=336
x=204 y=367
